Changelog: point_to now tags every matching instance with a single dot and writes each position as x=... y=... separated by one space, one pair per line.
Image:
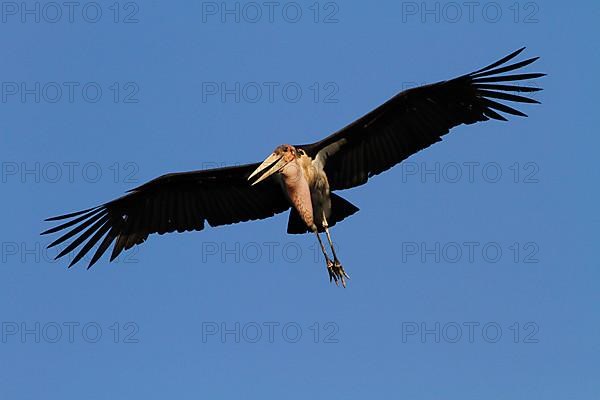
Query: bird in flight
x=302 y=177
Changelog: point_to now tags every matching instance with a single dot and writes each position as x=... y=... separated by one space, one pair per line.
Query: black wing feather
x=174 y=202
x=417 y=118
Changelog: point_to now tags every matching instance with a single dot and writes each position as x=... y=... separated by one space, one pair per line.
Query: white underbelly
x=321 y=201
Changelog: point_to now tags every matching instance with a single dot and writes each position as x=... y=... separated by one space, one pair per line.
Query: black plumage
x=409 y=122
x=417 y=118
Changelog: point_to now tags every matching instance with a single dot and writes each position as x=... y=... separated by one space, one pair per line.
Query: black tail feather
x=340 y=209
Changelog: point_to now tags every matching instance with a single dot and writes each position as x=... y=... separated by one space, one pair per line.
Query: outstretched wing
x=174 y=202
x=416 y=118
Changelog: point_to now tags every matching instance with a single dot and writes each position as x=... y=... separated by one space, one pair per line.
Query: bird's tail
x=340 y=209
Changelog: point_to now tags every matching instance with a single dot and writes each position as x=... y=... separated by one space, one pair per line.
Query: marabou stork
x=299 y=177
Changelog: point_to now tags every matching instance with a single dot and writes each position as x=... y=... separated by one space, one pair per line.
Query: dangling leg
x=330 y=264
x=337 y=265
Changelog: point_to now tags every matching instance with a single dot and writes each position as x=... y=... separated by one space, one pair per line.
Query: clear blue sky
x=218 y=312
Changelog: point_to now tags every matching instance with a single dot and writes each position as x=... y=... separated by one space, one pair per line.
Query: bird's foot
x=336 y=272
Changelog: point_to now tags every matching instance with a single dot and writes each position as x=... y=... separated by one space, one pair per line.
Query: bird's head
x=281 y=156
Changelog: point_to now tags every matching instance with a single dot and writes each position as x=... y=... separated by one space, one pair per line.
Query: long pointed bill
x=272 y=164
